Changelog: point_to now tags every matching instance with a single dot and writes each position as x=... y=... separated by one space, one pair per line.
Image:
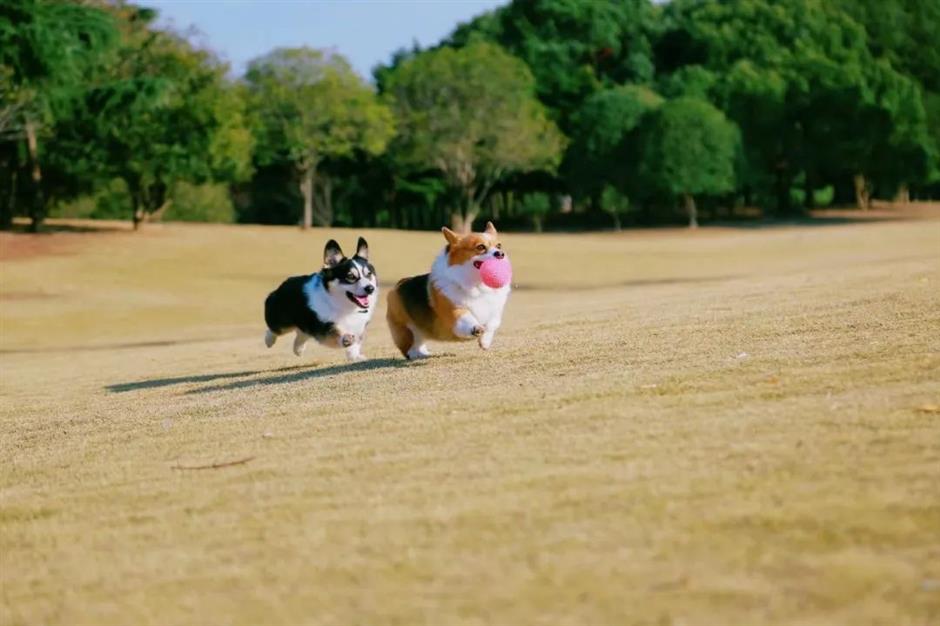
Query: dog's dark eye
x=481 y=248
x=351 y=278
x=500 y=246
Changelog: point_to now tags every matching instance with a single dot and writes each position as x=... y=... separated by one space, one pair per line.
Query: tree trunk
x=323 y=206
x=617 y=226
x=37 y=210
x=537 y=223
x=328 y=201
x=809 y=192
x=468 y=219
x=461 y=220
x=8 y=204
x=155 y=202
x=468 y=211
x=306 y=188
x=691 y=209
x=862 y=193
x=157 y=215
x=904 y=195
x=137 y=211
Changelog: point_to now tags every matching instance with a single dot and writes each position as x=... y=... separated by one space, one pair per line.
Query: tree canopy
x=47 y=50
x=309 y=106
x=799 y=79
x=689 y=148
x=605 y=150
x=573 y=48
x=471 y=114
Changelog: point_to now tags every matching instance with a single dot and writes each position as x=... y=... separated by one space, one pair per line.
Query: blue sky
x=364 y=31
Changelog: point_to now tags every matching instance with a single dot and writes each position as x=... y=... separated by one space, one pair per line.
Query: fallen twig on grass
x=213 y=465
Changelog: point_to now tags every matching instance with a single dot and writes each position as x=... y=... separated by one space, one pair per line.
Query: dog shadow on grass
x=183 y=380
x=279 y=376
x=297 y=374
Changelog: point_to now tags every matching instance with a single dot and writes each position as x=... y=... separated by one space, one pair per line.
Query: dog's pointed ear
x=450 y=236
x=332 y=254
x=490 y=229
x=362 y=249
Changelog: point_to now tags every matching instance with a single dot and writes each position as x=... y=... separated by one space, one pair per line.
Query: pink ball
x=495 y=272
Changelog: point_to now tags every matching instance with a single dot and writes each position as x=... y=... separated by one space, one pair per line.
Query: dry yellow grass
x=722 y=427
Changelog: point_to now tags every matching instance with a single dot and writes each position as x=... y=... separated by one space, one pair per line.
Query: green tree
x=471 y=114
x=310 y=106
x=536 y=205
x=798 y=78
x=689 y=148
x=47 y=49
x=572 y=47
x=210 y=202
x=893 y=151
x=188 y=124
x=161 y=112
x=615 y=203
x=904 y=33
x=603 y=151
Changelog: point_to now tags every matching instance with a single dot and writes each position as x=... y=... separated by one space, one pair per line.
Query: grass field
x=733 y=426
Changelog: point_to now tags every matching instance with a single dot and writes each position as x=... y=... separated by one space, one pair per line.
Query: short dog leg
x=269 y=338
x=353 y=352
x=336 y=338
x=486 y=339
x=419 y=349
x=467 y=326
x=300 y=343
x=419 y=352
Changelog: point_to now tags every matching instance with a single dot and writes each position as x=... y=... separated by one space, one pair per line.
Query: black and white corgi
x=450 y=303
x=333 y=306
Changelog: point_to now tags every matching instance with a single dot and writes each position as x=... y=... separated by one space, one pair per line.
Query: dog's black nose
x=369 y=288
x=499 y=254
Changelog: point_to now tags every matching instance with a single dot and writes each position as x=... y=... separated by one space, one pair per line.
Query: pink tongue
x=363 y=301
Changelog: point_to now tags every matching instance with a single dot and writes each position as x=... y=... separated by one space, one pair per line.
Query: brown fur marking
x=463 y=248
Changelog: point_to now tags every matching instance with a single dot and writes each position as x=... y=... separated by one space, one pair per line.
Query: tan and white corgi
x=451 y=303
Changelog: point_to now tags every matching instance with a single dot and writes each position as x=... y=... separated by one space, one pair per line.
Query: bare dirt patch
x=59 y=237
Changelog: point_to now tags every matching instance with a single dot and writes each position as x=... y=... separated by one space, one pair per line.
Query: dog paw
x=347 y=340
x=478 y=331
x=485 y=342
x=417 y=353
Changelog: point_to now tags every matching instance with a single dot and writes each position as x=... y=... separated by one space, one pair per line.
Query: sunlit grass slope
x=721 y=427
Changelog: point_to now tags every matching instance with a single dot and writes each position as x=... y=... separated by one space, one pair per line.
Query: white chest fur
x=355 y=322
x=487 y=304
x=461 y=286
x=336 y=308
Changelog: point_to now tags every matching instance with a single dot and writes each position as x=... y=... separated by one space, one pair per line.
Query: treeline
x=563 y=113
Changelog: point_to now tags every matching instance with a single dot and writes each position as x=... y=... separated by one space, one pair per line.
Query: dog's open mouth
x=478 y=264
x=360 y=301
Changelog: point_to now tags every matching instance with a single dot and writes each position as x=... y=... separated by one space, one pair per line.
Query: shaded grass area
x=746 y=437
